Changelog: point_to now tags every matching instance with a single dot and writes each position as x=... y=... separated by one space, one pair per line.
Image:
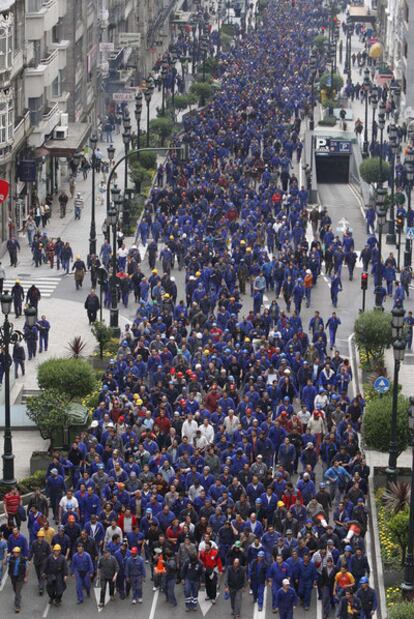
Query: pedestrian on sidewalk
x=19 y=357
x=56 y=574
x=17 y=294
x=33 y=296
x=18 y=575
x=63 y=200
x=72 y=186
x=66 y=256
x=92 y=306
x=12 y=502
x=30 y=228
x=78 y=204
x=13 y=247
x=80 y=270
x=43 y=327
x=31 y=335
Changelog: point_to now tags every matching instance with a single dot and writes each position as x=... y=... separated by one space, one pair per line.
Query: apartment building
x=396 y=25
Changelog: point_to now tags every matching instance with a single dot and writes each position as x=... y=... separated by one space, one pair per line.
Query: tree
x=373 y=334
x=319 y=42
x=74 y=378
x=139 y=174
x=146 y=159
x=325 y=81
x=203 y=90
x=401 y=610
x=376 y=423
x=181 y=102
x=398 y=528
x=76 y=346
x=103 y=335
x=163 y=127
x=49 y=412
x=370 y=170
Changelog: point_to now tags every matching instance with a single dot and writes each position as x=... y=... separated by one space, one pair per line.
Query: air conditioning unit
x=60 y=133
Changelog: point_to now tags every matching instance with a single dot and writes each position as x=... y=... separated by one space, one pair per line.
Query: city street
x=228 y=422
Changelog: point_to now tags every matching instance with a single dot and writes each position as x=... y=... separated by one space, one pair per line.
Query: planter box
x=97 y=363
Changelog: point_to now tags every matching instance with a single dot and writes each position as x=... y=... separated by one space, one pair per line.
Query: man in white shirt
x=113 y=529
x=207 y=430
x=189 y=428
x=231 y=422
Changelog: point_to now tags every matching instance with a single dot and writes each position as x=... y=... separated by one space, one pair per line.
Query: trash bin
x=78 y=421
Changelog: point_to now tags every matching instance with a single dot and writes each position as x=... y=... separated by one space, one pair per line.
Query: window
x=6 y=41
x=34 y=6
x=6 y=116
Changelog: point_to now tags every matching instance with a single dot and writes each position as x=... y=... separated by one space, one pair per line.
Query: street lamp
x=173 y=61
x=393 y=142
x=409 y=165
x=408 y=585
x=366 y=86
x=381 y=218
x=349 y=30
x=164 y=70
x=138 y=112
x=92 y=233
x=112 y=221
x=148 y=96
x=374 y=103
x=312 y=68
x=398 y=346
x=126 y=138
x=8 y=336
x=381 y=125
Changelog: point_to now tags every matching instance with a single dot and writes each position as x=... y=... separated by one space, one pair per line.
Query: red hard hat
x=134 y=550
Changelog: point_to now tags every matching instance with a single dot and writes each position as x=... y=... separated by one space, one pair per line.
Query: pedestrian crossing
x=46 y=285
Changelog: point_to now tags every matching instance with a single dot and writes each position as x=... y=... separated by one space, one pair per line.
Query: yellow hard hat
x=206 y=352
x=17 y=549
x=78 y=257
x=154 y=271
x=40 y=533
x=171 y=237
x=139 y=402
x=280 y=504
x=57 y=547
x=198 y=274
x=247 y=339
x=166 y=295
x=242 y=242
x=17 y=281
x=249 y=249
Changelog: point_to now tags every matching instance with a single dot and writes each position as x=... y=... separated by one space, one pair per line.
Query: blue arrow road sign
x=382 y=384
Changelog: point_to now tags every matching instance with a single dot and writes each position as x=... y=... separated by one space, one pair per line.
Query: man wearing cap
x=135 y=574
x=368 y=598
x=286 y=600
x=39 y=552
x=56 y=573
x=18 y=575
x=82 y=568
x=257 y=571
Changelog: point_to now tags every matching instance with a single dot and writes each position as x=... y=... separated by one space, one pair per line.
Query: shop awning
x=76 y=137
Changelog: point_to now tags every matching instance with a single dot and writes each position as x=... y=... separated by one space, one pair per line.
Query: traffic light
x=364 y=280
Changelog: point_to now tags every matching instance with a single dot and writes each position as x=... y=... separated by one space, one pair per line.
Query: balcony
x=48 y=121
x=41 y=17
x=41 y=76
x=61 y=47
x=21 y=128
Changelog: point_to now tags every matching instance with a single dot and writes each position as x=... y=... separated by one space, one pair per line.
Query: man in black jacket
x=56 y=573
x=39 y=552
x=235 y=583
x=18 y=576
x=349 y=606
x=92 y=306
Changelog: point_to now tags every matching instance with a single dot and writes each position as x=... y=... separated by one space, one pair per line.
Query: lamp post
x=393 y=142
x=173 y=61
x=138 y=112
x=374 y=104
x=349 y=30
x=204 y=48
x=92 y=233
x=408 y=585
x=164 y=70
x=8 y=336
x=312 y=68
x=409 y=165
x=366 y=85
x=112 y=221
x=381 y=217
x=381 y=125
x=398 y=346
x=148 y=96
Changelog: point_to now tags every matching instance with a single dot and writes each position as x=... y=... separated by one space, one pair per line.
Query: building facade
x=396 y=25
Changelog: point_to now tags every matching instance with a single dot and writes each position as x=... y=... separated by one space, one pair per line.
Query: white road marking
x=351 y=359
x=154 y=604
x=46 y=611
x=97 y=591
x=261 y=614
x=205 y=606
x=318 y=608
x=3 y=582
